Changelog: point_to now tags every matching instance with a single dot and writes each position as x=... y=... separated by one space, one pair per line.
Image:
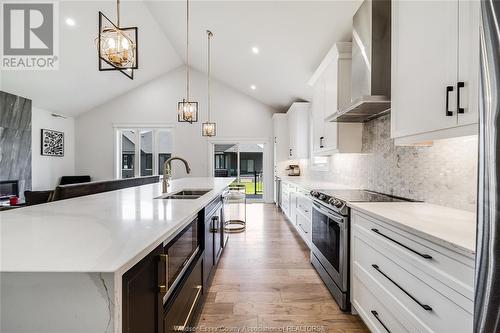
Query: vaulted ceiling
x=292 y=38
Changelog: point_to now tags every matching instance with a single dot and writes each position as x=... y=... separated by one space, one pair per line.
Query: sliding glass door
x=244 y=161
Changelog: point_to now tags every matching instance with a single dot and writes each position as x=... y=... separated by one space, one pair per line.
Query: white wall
x=237 y=116
x=47 y=170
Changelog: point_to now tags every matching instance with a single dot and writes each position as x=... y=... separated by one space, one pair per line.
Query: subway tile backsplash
x=444 y=173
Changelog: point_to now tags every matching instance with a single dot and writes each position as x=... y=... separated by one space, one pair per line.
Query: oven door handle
x=339 y=220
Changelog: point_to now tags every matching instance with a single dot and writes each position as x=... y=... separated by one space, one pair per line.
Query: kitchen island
x=61 y=263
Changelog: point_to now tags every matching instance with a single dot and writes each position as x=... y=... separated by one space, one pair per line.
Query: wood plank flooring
x=265 y=282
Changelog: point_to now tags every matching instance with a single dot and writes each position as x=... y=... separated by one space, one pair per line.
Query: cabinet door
x=218 y=225
x=318 y=113
x=292 y=126
x=424 y=63
x=141 y=300
x=468 y=58
x=208 y=261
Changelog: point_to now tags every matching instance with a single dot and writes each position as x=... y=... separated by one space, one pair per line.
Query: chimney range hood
x=371 y=64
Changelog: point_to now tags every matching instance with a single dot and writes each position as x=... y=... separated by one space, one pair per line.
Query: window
x=142 y=151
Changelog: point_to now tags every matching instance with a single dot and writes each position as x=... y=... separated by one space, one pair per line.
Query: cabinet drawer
x=304 y=228
x=420 y=257
x=304 y=206
x=375 y=315
x=181 y=310
x=424 y=302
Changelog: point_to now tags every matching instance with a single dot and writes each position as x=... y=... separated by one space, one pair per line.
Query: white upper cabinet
x=435 y=47
x=298 y=128
x=332 y=91
x=281 y=137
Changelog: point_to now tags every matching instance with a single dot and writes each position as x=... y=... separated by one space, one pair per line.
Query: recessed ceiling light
x=255 y=50
x=253 y=87
x=70 y=22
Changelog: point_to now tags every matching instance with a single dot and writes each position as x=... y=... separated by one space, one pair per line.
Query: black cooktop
x=361 y=196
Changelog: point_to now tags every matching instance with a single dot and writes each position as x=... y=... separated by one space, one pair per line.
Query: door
x=142 y=302
x=468 y=58
x=424 y=63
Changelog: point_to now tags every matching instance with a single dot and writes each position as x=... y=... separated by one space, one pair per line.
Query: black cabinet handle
x=290 y=151
x=424 y=306
x=321 y=142
x=459 y=85
x=425 y=256
x=448 y=90
x=213 y=227
x=375 y=314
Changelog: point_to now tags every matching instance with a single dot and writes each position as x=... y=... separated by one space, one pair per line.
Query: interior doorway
x=245 y=162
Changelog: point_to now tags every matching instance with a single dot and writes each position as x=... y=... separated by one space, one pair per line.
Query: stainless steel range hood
x=371 y=64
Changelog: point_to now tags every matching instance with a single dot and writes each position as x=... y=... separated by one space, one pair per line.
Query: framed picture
x=52 y=143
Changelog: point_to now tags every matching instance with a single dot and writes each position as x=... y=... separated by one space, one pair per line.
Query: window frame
x=137 y=128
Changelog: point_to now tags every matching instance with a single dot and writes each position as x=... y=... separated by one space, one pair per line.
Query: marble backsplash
x=444 y=173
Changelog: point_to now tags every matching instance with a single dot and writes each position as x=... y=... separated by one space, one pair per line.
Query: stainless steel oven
x=330 y=250
x=177 y=256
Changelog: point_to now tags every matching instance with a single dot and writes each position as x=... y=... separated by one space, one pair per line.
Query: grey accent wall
x=15 y=140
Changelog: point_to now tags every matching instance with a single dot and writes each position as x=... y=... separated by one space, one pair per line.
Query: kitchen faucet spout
x=167 y=171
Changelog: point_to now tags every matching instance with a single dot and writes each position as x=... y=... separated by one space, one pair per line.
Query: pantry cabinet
x=298 y=128
x=332 y=92
x=435 y=69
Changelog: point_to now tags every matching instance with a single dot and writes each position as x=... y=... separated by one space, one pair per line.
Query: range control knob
x=322 y=197
x=331 y=201
x=338 y=203
x=314 y=193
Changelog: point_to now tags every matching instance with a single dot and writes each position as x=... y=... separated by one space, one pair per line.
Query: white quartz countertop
x=449 y=227
x=98 y=233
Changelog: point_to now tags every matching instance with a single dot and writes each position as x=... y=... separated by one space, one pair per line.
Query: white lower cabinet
x=298 y=209
x=411 y=284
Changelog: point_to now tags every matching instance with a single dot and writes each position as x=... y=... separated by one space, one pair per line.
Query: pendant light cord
x=209 y=67
x=118 y=13
x=187 y=50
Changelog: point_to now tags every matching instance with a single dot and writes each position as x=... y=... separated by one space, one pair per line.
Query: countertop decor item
x=209 y=128
x=187 y=110
x=52 y=143
x=117 y=46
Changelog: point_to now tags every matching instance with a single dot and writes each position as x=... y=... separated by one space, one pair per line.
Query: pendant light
x=117 y=46
x=208 y=128
x=187 y=110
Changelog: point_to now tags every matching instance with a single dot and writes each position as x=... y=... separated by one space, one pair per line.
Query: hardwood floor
x=265 y=282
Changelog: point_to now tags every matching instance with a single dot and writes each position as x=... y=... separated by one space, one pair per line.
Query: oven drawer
x=304 y=228
x=431 y=307
x=181 y=311
x=375 y=315
x=430 y=262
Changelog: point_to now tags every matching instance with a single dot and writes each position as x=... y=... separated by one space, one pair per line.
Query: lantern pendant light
x=117 y=46
x=187 y=110
x=208 y=128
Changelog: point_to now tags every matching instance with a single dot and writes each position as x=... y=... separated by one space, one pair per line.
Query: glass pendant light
x=187 y=110
x=117 y=46
x=208 y=128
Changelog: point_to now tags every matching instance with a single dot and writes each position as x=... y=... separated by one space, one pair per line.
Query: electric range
x=330 y=236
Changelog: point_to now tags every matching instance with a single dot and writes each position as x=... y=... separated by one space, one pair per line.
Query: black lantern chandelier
x=208 y=128
x=187 y=110
x=117 y=46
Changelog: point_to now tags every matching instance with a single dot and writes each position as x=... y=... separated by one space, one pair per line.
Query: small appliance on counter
x=293 y=170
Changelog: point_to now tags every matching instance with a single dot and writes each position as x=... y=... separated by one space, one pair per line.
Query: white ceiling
x=293 y=37
x=78 y=85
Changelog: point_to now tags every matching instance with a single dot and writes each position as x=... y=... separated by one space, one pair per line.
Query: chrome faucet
x=167 y=171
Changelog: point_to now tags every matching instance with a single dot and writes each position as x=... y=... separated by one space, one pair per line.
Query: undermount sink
x=184 y=194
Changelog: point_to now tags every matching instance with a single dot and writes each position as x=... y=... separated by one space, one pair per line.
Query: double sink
x=184 y=194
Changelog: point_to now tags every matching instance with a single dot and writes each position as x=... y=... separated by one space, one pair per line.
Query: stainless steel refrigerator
x=487 y=279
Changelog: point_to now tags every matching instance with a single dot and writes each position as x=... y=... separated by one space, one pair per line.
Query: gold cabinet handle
x=164 y=287
x=178 y=328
